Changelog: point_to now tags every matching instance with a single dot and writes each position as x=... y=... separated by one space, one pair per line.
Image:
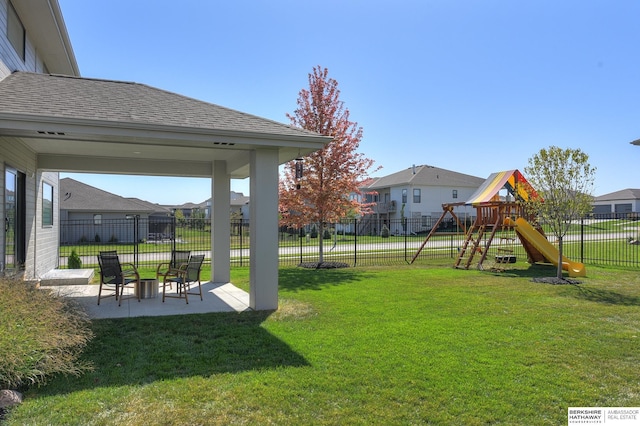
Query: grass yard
x=392 y=345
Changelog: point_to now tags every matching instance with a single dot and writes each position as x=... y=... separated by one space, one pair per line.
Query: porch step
x=67 y=277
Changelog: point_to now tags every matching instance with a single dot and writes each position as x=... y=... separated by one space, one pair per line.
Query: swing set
x=494 y=219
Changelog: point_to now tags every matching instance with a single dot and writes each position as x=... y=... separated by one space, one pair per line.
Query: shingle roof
x=427 y=176
x=59 y=96
x=624 y=194
x=78 y=196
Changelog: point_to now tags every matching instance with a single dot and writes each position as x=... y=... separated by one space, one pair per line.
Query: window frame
x=47 y=210
x=417 y=196
x=16 y=34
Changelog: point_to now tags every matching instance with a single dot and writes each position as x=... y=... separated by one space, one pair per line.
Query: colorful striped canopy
x=512 y=180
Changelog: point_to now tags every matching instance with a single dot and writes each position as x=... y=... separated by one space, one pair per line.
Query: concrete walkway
x=217 y=297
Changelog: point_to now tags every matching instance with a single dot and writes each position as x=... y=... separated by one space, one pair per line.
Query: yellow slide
x=548 y=250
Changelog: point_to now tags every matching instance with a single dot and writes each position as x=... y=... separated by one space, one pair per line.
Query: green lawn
x=393 y=345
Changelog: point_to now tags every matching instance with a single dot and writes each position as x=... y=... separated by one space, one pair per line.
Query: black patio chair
x=114 y=278
x=179 y=259
x=183 y=278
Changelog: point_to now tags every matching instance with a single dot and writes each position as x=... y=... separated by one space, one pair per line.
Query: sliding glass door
x=14 y=220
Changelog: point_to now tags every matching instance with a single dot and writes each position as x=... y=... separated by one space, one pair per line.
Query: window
x=47 y=204
x=97 y=219
x=416 y=195
x=454 y=194
x=404 y=196
x=15 y=31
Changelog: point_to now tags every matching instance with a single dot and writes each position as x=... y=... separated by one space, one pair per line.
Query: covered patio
x=217 y=297
x=76 y=124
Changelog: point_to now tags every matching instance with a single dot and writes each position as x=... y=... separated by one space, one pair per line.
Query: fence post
x=355 y=242
x=582 y=239
x=240 y=232
x=301 y=235
x=404 y=226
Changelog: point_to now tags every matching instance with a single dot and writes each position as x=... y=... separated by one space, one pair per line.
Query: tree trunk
x=559 y=272
x=320 y=242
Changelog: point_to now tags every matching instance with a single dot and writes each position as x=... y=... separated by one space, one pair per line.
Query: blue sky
x=471 y=86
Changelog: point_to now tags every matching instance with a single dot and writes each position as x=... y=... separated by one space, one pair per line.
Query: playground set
x=499 y=219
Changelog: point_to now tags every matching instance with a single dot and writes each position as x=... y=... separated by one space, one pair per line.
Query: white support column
x=220 y=224
x=263 y=208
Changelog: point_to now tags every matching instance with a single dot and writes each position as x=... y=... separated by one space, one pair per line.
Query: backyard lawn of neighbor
x=388 y=345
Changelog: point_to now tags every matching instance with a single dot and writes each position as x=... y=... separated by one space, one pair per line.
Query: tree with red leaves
x=325 y=186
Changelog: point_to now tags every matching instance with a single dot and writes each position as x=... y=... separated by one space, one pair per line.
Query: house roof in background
x=425 y=175
x=624 y=194
x=78 y=196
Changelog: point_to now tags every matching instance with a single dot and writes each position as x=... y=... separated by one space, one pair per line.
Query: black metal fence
x=599 y=240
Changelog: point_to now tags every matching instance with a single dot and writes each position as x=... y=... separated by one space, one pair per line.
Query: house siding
x=79 y=227
x=42 y=257
x=430 y=206
x=9 y=59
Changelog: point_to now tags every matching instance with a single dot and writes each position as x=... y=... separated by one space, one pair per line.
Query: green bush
x=41 y=335
x=74 y=261
x=385 y=232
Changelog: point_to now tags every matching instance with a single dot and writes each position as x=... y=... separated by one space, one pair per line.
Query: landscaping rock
x=9 y=398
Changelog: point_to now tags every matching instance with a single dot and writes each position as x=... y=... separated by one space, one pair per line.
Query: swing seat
x=505 y=258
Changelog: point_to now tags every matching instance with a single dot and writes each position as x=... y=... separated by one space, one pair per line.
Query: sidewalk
x=217 y=297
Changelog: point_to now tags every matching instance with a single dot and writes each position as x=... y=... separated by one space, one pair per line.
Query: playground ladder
x=476 y=239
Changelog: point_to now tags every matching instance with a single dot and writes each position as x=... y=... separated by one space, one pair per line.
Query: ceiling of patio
x=162 y=154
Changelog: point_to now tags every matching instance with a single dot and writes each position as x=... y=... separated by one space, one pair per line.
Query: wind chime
x=299 y=171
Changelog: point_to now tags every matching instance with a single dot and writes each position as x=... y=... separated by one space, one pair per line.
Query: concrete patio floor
x=217 y=297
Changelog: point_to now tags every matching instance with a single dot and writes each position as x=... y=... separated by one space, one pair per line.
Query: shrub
x=97 y=238
x=41 y=334
x=74 y=261
x=326 y=234
x=314 y=232
x=385 y=232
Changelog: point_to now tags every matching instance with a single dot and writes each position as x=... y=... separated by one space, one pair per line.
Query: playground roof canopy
x=512 y=180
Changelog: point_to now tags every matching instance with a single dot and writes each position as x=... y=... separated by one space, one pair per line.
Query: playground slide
x=548 y=250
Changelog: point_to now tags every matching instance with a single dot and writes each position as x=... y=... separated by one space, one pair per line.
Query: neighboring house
x=188 y=209
x=91 y=214
x=239 y=204
x=620 y=202
x=60 y=122
x=417 y=193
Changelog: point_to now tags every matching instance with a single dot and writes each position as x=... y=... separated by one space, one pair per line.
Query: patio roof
x=79 y=124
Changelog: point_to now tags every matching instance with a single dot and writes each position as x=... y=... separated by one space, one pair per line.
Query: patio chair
x=179 y=259
x=113 y=278
x=183 y=278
